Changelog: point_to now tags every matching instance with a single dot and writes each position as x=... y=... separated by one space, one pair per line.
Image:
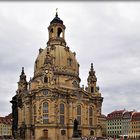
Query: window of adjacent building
x=90 y=116
x=62 y=114
x=45 y=113
x=79 y=114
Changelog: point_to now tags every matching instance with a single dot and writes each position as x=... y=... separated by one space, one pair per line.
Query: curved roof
x=59 y=57
x=136 y=116
x=56 y=20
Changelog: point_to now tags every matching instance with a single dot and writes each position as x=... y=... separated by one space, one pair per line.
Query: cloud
x=103 y=33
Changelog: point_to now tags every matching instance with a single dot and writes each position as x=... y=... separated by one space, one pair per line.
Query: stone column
x=28 y=122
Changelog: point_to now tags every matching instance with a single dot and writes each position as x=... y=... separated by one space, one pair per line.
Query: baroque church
x=46 y=106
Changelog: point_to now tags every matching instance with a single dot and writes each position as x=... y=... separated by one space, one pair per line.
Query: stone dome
x=58 y=58
x=57 y=64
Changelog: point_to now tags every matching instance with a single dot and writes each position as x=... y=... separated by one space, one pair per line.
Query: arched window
x=59 y=32
x=62 y=114
x=92 y=89
x=52 y=30
x=79 y=114
x=45 y=113
x=90 y=116
x=92 y=133
x=45 y=79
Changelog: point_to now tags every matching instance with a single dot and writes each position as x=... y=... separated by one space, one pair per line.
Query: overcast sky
x=106 y=34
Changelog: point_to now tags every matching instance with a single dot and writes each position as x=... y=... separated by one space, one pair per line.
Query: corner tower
x=22 y=84
x=91 y=80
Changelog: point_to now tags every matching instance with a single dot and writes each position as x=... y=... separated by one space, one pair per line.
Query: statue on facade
x=75 y=129
x=22 y=130
x=14 y=116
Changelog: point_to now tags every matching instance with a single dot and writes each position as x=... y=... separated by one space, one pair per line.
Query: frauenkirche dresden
x=46 y=106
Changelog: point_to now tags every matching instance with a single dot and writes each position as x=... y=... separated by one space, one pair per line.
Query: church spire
x=22 y=84
x=91 y=69
x=91 y=80
x=23 y=76
x=22 y=72
x=56 y=15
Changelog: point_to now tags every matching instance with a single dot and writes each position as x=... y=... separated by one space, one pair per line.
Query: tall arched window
x=79 y=114
x=92 y=89
x=90 y=116
x=59 y=32
x=45 y=79
x=45 y=112
x=62 y=114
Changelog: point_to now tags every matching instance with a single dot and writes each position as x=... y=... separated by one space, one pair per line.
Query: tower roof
x=92 y=77
x=22 y=76
x=56 y=19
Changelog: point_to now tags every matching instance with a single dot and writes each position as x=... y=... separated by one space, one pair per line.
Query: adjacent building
x=46 y=106
x=126 y=119
x=134 y=131
x=123 y=123
x=103 y=120
x=6 y=127
x=114 y=123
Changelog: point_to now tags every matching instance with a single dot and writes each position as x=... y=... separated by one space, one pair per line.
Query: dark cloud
x=103 y=33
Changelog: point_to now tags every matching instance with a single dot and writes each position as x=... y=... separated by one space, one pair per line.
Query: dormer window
x=69 y=61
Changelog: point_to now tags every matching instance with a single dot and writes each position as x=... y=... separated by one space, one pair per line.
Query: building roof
x=136 y=116
x=127 y=114
x=7 y=120
x=103 y=116
x=117 y=114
